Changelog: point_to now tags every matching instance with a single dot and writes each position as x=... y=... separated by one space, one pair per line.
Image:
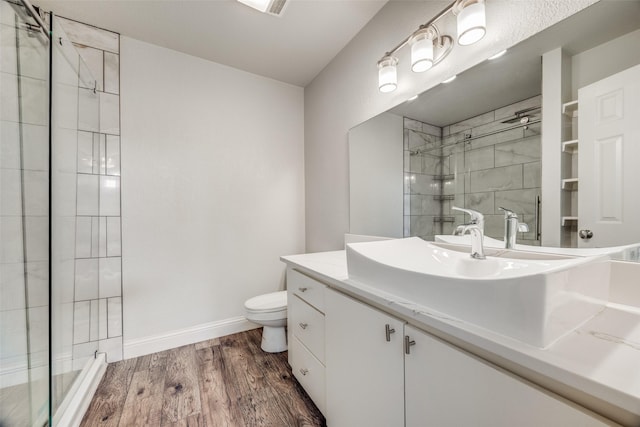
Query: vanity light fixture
x=497 y=55
x=429 y=46
x=450 y=79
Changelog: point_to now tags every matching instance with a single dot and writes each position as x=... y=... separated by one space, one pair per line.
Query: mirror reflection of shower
x=479 y=163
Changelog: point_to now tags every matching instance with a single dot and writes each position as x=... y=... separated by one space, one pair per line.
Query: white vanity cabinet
x=365 y=367
x=306 y=334
x=414 y=379
x=445 y=386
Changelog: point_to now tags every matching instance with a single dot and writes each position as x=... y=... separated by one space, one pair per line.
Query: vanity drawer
x=308 y=326
x=309 y=372
x=306 y=288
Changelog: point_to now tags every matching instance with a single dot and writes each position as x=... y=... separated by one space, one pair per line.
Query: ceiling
x=518 y=74
x=291 y=48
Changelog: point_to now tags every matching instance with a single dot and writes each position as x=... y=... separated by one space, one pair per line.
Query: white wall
x=212 y=191
x=345 y=93
x=604 y=60
x=376 y=177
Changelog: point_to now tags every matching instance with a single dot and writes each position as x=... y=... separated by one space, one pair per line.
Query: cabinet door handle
x=408 y=342
x=304 y=371
x=388 y=330
x=303 y=325
x=302 y=289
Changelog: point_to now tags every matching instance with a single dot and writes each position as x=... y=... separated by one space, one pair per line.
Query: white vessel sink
x=532 y=297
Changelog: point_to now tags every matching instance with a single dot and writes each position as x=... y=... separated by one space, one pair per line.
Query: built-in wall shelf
x=444 y=219
x=444 y=197
x=569 y=220
x=570 y=184
x=450 y=177
x=570 y=146
x=570 y=109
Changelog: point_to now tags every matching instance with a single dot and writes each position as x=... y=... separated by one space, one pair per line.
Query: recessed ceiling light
x=413 y=98
x=450 y=79
x=497 y=55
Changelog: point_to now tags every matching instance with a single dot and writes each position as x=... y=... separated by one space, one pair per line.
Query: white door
x=609 y=161
x=364 y=370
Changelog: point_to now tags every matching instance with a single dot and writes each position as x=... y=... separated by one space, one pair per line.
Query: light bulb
x=471 y=24
x=421 y=50
x=387 y=74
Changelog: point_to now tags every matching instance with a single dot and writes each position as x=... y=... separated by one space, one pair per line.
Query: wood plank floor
x=226 y=381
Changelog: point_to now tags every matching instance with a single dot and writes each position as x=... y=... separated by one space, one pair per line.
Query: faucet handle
x=508 y=213
x=476 y=217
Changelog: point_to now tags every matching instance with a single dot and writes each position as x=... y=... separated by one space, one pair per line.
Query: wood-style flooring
x=226 y=381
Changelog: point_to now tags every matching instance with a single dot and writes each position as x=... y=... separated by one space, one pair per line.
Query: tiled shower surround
x=97 y=308
x=457 y=166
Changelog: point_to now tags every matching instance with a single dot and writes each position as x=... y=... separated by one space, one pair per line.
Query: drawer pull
x=388 y=330
x=408 y=342
x=303 y=289
x=303 y=325
x=304 y=371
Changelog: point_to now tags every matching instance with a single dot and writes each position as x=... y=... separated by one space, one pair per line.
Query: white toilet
x=270 y=311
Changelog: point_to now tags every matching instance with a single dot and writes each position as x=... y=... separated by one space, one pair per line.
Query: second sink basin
x=533 y=298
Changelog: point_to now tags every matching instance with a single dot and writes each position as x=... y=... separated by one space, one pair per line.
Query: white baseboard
x=15 y=370
x=78 y=398
x=206 y=331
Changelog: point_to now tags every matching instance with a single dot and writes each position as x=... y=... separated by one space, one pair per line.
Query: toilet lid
x=274 y=301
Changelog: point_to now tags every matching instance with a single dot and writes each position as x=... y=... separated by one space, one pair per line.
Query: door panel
x=609 y=138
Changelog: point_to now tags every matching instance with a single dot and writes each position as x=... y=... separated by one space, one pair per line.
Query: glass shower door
x=50 y=150
x=24 y=219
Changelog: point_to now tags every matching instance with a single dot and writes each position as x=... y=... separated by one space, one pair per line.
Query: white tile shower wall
x=23 y=203
x=98 y=266
x=423 y=164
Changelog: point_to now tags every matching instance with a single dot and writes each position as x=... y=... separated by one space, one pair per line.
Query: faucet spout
x=511 y=227
x=476 y=229
x=477 y=246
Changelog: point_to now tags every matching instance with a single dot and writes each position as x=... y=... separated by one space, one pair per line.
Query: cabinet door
x=445 y=386
x=364 y=371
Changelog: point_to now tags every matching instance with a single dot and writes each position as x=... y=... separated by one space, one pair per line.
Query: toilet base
x=274 y=339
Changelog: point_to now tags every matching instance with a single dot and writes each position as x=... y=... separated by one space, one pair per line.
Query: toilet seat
x=267 y=303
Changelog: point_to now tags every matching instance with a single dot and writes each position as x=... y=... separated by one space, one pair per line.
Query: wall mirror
x=476 y=142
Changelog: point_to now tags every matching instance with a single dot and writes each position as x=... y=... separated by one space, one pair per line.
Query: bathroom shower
x=477 y=163
x=45 y=104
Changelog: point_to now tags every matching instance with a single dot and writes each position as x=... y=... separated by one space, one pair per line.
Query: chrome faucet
x=511 y=227
x=475 y=228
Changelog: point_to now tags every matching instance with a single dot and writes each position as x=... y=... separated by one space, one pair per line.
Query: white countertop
x=597 y=365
